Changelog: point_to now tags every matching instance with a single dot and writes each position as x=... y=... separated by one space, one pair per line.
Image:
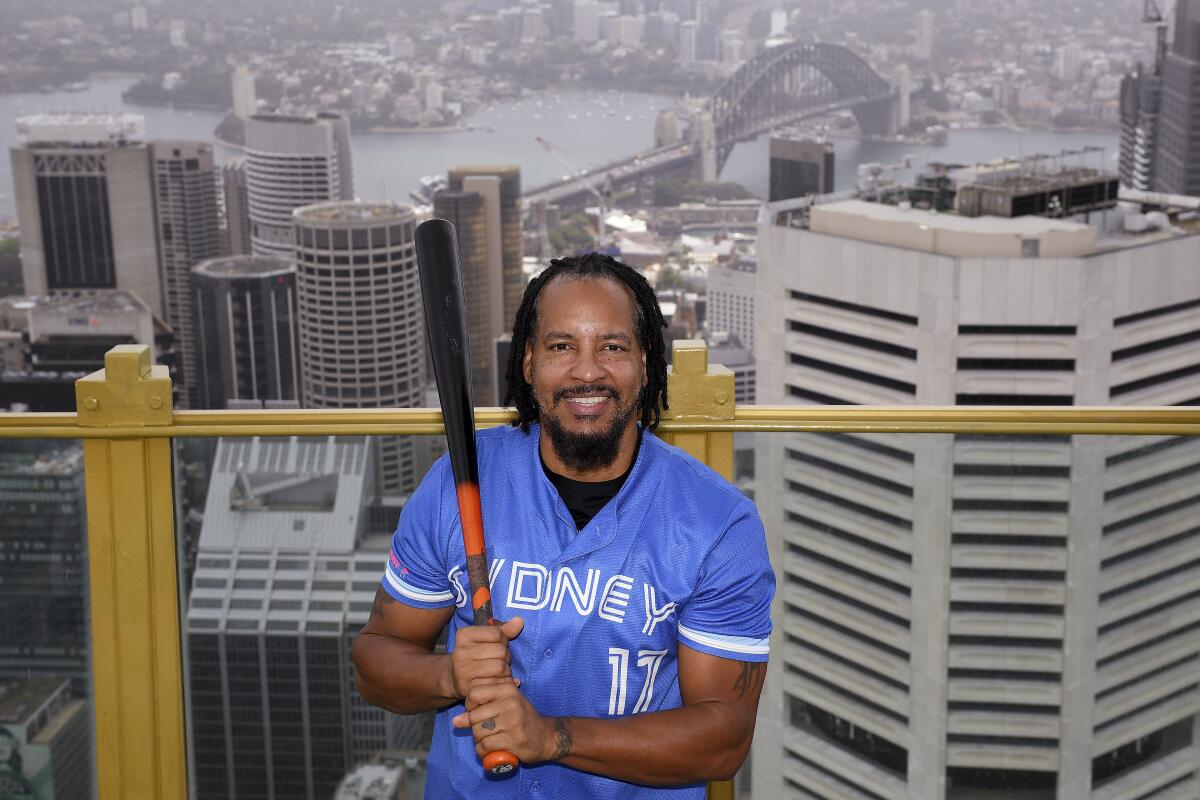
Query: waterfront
x=587 y=127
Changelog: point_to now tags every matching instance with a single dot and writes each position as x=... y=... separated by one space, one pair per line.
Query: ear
x=527 y=364
x=645 y=374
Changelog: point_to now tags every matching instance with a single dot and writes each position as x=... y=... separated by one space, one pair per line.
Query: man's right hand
x=481 y=652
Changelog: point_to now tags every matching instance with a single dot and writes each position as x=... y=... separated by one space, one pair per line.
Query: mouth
x=587 y=405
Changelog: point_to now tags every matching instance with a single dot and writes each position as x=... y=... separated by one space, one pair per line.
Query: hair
x=647 y=320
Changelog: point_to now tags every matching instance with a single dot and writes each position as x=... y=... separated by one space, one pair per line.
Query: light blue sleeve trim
x=745 y=645
x=412 y=593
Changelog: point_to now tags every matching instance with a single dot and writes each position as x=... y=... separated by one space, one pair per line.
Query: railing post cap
x=130 y=390
x=689 y=356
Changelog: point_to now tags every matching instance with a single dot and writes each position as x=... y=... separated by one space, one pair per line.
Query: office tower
x=43 y=563
x=245 y=97
x=732 y=293
x=63 y=337
x=481 y=274
x=48 y=742
x=904 y=90
x=286 y=571
x=237 y=207
x=925 y=34
x=501 y=350
x=85 y=205
x=362 y=334
x=799 y=166
x=1141 y=101
x=972 y=616
x=185 y=185
x=586 y=21
x=292 y=162
x=689 y=42
x=1177 y=164
x=480 y=179
x=248 y=330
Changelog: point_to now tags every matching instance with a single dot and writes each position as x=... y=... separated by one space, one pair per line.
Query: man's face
x=586 y=368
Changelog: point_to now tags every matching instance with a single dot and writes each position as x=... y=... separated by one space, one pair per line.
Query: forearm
x=698 y=742
x=401 y=676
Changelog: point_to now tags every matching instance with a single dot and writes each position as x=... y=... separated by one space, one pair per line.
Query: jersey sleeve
x=416 y=573
x=729 y=613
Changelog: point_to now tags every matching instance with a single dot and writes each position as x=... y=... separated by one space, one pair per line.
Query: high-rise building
x=362 y=334
x=969 y=616
x=731 y=292
x=799 y=167
x=925 y=35
x=45 y=737
x=1141 y=101
x=904 y=89
x=293 y=162
x=43 y=563
x=248 y=330
x=245 y=96
x=481 y=273
x=286 y=571
x=586 y=21
x=185 y=185
x=479 y=179
x=689 y=42
x=237 y=207
x=85 y=204
x=1177 y=162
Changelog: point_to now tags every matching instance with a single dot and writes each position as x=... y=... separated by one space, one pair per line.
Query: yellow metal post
x=698 y=392
x=136 y=654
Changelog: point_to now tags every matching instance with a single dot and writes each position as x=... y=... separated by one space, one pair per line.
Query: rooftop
x=244 y=266
x=79 y=127
x=21 y=701
x=354 y=212
x=41 y=461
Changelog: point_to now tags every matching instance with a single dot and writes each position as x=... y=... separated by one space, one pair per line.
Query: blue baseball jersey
x=677 y=556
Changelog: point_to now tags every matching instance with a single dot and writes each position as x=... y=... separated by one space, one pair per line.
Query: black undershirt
x=584 y=499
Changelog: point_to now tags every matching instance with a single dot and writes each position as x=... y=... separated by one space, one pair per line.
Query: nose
x=587 y=368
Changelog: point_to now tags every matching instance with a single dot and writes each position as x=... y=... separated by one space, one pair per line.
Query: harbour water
x=586 y=129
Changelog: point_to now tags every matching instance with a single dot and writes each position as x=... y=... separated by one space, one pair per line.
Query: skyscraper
x=286 y=572
x=468 y=178
x=47 y=735
x=245 y=97
x=481 y=273
x=962 y=616
x=1141 y=101
x=1177 y=163
x=799 y=166
x=85 y=205
x=362 y=336
x=43 y=563
x=925 y=35
x=293 y=162
x=248 y=330
x=237 y=207
x=185 y=185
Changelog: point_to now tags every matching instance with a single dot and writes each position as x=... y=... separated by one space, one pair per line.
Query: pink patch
x=404 y=570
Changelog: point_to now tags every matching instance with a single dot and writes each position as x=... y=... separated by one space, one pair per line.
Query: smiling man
x=634 y=580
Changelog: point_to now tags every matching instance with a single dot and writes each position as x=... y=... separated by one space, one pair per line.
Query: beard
x=590 y=450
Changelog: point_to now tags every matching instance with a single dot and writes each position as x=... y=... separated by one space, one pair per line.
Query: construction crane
x=603 y=195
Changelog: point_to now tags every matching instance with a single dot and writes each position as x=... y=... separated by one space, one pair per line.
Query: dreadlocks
x=647 y=320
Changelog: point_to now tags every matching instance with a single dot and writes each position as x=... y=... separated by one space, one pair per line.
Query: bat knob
x=500 y=762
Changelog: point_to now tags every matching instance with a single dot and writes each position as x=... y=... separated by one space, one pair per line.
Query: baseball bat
x=446 y=324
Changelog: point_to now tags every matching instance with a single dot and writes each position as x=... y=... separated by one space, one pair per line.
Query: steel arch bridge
x=793 y=80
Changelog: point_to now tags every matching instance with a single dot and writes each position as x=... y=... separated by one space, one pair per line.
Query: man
x=634 y=580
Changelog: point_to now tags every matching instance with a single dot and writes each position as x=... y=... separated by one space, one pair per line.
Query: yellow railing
x=126 y=422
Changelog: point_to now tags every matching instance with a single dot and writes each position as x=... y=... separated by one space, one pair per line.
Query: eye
x=615 y=348
x=559 y=347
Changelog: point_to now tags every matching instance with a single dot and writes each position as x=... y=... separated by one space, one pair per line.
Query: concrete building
x=293 y=162
x=48 y=738
x=476 y=218
x=1177 y=164
x=236 y=234
x=245 y=96
x=973 y=616
x=85 y=204
x=587 y=21
x=392 y=775
x=286 y=573
x=362 y=337
x=732 y=292
x=689 y=42
x=800 y=166
x=185 y=185
x=926 y=32
x=481 y=179
x=43 y=564
x=1141 y=102
x=904 y=89
x=248 y=330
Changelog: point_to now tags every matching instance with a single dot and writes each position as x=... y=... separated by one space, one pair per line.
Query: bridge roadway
x=573 y=192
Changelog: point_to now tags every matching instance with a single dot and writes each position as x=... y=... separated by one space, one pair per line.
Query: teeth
x=586 y=401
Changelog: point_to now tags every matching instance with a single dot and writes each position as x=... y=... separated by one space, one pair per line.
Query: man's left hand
x=500 y=718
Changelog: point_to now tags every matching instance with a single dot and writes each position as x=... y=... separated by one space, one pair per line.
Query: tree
x=11 y=280
x=991 y=117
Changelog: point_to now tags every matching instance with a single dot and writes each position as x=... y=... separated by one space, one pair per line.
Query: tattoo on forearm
x=564 y=739
x=750 y=679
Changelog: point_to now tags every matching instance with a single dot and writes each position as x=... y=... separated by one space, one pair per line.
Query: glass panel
x=287 y=540
x=47 y=746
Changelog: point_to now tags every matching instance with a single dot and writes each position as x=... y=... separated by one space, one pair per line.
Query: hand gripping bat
x=446 y=324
